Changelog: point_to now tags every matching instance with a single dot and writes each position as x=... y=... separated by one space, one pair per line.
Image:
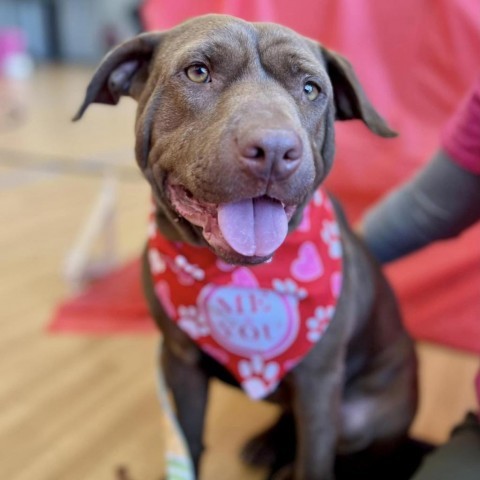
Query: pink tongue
x=253 y=227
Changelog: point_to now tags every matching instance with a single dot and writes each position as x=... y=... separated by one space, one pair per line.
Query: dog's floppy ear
x=351 y=102
x=123 y=71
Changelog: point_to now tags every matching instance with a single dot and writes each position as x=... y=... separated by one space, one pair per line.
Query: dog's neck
x=240 y=314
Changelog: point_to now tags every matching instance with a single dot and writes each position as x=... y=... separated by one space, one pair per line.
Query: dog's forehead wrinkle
x=213 y=36
x=291 y=60
x=286 y=52
x=214 y=49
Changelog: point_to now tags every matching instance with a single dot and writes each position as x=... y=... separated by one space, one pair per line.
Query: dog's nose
x=270 y=153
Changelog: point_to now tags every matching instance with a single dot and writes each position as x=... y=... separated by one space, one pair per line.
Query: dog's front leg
x=189 y=386
x=316 y=399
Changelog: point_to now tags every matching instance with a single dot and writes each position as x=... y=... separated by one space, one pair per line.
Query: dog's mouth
x=248 y=230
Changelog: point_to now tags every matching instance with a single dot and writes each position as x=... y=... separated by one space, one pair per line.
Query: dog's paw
x=272 y=448
x=285 y=473
x=122 y=473
x=259 y=451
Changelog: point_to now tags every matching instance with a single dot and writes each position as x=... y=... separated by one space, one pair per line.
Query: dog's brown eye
x=198 y=73
x=311 y=91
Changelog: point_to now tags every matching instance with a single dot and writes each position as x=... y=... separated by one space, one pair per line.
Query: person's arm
x=440 y=202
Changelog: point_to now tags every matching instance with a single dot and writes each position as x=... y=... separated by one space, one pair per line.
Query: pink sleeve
x=461 y=135
x=477 y=386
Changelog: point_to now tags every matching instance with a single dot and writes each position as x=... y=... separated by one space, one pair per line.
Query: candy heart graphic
x=249 y=321
x=308 y=266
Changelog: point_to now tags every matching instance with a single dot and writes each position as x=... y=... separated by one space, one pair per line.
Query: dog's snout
x=271 y=153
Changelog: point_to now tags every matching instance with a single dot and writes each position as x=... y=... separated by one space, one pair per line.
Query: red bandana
x=257 y=321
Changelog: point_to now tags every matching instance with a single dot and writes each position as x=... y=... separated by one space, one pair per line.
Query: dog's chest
x=259 y=321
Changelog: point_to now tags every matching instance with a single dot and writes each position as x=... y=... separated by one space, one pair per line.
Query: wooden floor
x=74 y=407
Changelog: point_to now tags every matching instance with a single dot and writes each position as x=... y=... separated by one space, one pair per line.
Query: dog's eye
x=198 y=73
x=311 y=91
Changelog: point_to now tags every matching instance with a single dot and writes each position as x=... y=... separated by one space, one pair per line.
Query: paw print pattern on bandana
x=318 y=198
x=156 y=262
x=305 y=224
x=192 y=322
x=289 y=287
x=336 y=284
x=331 y=236
x=318 y=324
x=187 y=272
x=259 y=377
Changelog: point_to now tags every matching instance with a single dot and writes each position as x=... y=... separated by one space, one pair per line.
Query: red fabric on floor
x=415 y=59
x=114 y=304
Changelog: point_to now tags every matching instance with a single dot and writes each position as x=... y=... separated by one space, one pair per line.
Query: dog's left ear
x=350 y=100
x=123 y=71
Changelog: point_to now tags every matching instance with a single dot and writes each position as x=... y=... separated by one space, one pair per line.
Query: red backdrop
x=415 y=58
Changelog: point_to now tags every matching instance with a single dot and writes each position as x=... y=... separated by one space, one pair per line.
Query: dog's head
x=234 y=126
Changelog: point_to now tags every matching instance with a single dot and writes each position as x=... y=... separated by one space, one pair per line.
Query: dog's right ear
x=123 y=71
x=351 y=101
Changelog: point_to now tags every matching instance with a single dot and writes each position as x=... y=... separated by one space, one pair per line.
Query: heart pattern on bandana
x=308 y=266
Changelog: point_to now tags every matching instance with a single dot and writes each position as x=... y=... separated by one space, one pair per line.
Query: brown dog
x=235 y=113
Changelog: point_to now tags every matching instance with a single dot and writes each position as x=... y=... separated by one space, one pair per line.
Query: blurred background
x=70 y=30
x=77 y=349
